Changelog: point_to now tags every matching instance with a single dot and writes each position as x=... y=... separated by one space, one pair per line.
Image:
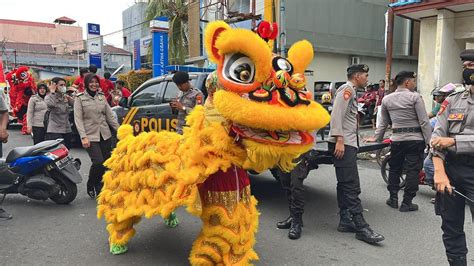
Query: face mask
x=62 y=89
x=468 y=76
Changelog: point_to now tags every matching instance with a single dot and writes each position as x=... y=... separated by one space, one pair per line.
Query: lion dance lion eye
x=239 y=68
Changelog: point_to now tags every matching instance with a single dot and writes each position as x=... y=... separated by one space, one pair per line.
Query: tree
x=177 y=12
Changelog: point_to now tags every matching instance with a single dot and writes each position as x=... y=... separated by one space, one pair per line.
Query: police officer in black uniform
x=452 y=150
x=344 y=143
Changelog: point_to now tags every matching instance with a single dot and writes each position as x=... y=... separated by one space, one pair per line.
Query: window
x=171 y=92
x=125 y=41
x=146 y=96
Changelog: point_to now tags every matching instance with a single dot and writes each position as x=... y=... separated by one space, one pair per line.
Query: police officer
x=93 y=118
x=186 y=100
x=343 y=143
x=452 y=149
x=411 y=128
x=59 y=105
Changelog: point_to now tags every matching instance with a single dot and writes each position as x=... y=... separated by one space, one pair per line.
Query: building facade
x=66 y=37
x=346 y=32
x=447 y=28
x=133 y=22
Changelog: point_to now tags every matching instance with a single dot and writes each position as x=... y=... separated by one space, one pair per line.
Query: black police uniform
x=456 y=120
x=344 y=124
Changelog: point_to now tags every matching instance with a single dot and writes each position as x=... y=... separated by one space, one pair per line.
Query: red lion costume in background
x=20 y=94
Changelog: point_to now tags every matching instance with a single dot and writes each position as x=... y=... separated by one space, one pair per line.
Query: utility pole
x=282 y=29
x=254 y=22
x=389 y=46
x=102 y=54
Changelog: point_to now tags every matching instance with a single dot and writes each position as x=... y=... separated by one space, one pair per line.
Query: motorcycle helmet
x=448 y=89
x=436 y=92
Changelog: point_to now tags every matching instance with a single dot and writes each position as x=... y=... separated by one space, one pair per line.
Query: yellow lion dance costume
x=261 y=117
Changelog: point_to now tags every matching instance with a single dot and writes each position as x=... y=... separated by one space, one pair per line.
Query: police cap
x=467 y=55
x=357 y=68
x=180 y=77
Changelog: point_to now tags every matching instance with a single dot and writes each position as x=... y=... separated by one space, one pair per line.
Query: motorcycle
x=365 y=117
x=45 y=170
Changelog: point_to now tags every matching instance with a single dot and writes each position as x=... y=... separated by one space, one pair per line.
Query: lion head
x=264 y=95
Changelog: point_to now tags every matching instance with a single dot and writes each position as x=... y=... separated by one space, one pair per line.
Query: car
x=148 y=108
x=322 y=87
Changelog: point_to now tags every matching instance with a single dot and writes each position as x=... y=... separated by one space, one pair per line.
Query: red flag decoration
x=3 y=81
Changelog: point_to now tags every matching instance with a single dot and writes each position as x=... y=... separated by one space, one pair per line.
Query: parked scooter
x=45 y=170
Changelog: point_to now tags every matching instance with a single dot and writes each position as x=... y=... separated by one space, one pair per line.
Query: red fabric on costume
x=226 y=181
x=25 y=83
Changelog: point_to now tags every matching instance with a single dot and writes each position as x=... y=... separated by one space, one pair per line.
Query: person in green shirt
x=438 y=97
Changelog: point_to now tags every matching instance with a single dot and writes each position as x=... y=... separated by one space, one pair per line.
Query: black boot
x=408 y=206
x=393 y=200
x=94 y=173
x=345 y=222
x=295 y=228
x=285 y=224
x=364 y=232
x=457 y=261
x=4 y=215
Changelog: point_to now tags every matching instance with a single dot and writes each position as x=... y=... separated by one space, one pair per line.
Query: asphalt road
x=45 y=233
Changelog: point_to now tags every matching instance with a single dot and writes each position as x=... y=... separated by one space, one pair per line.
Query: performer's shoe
x=345 y=223
x=408 y=207
x=295 y=228
x=285 y=224
x=116 y=249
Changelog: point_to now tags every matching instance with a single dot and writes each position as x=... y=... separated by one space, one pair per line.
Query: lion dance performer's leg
x=120 y=233
x=230 y=221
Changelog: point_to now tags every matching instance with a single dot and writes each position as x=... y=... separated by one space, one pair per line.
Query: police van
x=148 y=108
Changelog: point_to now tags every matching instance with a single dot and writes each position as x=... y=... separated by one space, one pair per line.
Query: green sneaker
x=118 y=249
x=172 y=221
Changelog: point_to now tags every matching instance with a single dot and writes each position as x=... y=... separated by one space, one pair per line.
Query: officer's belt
x=407 y=130
x=458 y=159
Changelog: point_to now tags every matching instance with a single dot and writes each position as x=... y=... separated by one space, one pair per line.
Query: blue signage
x=136 y=55
x=159 y=29
x=93 y=44
x=93 y=29
x=95 y=60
